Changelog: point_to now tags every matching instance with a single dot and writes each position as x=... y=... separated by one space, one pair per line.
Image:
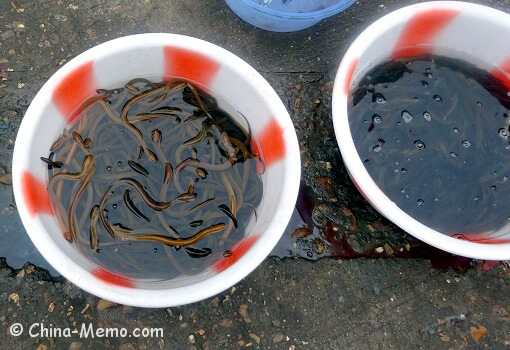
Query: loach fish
x=201 y=204
x=171 y=86
x=180 y=241
x=52 y=164
x=138 y=168
x=198 y=252
x=89 y=167
x=168 y=173
x=198 y=157
x=196 y=223
x=94 y=216
x=202 y=173
x=186 y=197
x=131 y=206
x=229 y=213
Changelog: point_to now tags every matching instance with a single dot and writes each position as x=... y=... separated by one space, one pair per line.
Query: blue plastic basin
x=287 y=15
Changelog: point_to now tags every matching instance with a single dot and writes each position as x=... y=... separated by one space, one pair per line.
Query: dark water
x=433 y=133
x=212 y=164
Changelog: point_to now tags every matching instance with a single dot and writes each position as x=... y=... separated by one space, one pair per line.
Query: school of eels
x=158 y=152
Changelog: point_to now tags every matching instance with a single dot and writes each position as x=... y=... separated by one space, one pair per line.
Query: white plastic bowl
x=157 y=56
x=462 y=30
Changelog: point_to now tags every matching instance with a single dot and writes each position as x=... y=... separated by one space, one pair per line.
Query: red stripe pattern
x=503 y=73
x=272 y=144
x=35 y=194
x=190 y=65
x=420 y=31
x=112 y=278
x=237 y=252
x=480 y=238
x=75 y=88
x=349 y=74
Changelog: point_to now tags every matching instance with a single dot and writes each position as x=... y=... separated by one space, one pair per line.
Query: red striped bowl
x=157 y=56
x=467 y=31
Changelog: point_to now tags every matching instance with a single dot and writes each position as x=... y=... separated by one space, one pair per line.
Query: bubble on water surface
x=408 y=117
x=504 y=133
x=419 y=144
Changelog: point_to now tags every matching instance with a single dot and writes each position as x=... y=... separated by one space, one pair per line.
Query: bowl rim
x=142 y=297
x=351 y=158
x=321 y=14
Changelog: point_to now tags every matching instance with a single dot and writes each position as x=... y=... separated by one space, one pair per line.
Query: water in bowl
x=433 y=133
x=300 y=6
x=154 y=180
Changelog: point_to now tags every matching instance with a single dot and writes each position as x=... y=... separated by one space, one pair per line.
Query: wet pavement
x=291 y=303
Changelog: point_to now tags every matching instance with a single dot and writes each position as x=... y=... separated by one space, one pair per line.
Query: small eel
x=134 y=129
x=200 y=204
x=94 y=216
x=167 y=110
x=224 y=208
x=132 y=88
x=86 y=173
x=151 y=116
x=153 y=204
x=194 y=91
x=180 y=242
x=62 y=138
x=89 y=166
x=168 y=174
x=178 y=169
x=197 y=138
x=202 y=173
x=186 y=197
x=131 y=206
x=138 y=168
x=158 y=99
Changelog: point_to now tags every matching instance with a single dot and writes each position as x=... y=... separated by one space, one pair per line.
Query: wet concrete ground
x=389 y=303
x=290 y=304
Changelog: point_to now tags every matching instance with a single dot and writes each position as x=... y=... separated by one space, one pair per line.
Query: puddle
x=287 y=247
x=301 y=239
x=17 y=248
x=15 y=245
